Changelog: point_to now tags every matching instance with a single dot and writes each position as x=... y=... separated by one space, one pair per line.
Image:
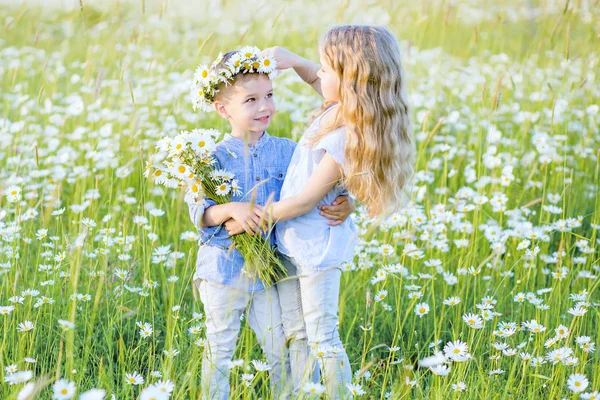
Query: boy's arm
x=243 y=213
x=336 y=213
x=341 y=208
x=216 y=215
x=197 y=211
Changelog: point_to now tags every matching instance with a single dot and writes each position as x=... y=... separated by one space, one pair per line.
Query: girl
x=361 y=141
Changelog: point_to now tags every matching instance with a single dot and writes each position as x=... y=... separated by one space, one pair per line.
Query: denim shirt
x=263 y=165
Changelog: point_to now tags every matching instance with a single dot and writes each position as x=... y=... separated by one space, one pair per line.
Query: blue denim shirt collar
x=240 y=143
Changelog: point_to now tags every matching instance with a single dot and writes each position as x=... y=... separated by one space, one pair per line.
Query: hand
x=339 y=211
x=233 y=227
x=244 y=214
x=266 y=221
x=285 y=58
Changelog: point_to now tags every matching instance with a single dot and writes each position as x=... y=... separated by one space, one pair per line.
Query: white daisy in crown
x=202 y=74
x=207 y=79
x=250 y=52
x=235 y=62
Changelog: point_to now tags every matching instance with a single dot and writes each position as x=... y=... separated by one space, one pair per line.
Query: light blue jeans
x=309 y=302
x=223 y=307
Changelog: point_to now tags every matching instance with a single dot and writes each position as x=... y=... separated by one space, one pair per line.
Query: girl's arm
x=325 y=176
x=306 y=69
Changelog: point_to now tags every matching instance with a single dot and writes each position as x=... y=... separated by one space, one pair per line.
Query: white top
x=308 y=238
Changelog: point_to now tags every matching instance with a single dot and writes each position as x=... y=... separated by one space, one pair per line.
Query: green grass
x=130 y=75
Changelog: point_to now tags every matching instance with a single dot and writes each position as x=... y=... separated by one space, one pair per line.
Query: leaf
x=541 y=377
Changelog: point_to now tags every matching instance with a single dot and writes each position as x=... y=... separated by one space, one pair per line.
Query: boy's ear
x=221 y=109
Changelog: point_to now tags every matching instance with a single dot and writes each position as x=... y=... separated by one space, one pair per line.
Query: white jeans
x=309 y=304
x=223 y=307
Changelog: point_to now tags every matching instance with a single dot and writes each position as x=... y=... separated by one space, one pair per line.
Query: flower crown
x=206 y=79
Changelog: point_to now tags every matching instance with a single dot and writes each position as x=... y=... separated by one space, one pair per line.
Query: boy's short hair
x=225 y=88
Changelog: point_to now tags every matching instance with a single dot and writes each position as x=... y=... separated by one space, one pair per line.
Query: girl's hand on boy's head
x=338 y=211
x=285 y=58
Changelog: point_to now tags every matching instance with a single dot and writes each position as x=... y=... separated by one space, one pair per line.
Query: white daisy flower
x=421 y=309
x=441 y=370
x=153 y=393
x=25 y=326
x=249 y=52
x=18 y=377
x=267 y=65
x=577 y=383
x=63 y=389
x=134 y=379
x=223 y=189
x=202 y=74
x=313 y=388
x=261 y=366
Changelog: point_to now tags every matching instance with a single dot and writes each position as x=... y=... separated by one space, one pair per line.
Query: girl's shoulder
x=333 y=143
x=328 y=116
x=336 y=136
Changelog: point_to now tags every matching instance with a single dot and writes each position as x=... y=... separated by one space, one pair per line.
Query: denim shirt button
x=257 y=178
x=255 y=155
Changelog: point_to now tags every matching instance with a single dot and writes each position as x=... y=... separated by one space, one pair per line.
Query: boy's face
x=248 y=105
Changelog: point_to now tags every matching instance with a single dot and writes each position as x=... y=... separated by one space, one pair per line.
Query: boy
x=259 y=162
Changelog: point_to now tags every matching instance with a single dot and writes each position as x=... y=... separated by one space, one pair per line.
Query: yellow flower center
x=64 y=391
x=205 y=74
x=267 y=62
x=181 y=169
x=201 y=143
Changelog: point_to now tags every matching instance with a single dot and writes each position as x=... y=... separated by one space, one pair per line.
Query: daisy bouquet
x=188 y=161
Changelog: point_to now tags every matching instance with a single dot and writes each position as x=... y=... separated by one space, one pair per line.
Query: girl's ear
x=221 y=109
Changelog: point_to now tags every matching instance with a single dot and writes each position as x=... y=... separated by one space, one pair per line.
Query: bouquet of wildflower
x=188 y=161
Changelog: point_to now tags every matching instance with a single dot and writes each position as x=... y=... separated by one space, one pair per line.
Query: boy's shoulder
x=225 y=153
x=286 y=142
x=225 y=150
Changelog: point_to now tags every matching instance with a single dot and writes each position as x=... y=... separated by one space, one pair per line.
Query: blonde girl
x=360 y=140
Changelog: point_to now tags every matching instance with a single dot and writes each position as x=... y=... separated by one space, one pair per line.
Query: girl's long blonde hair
x=380 y=151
